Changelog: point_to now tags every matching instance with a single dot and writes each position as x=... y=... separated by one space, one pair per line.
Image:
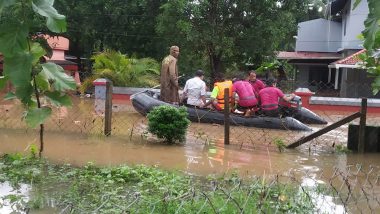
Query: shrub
x=168 y=122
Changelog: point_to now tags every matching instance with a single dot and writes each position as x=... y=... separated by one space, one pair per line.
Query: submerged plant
x=280 y=144
x=342 y=149
x=168 y=122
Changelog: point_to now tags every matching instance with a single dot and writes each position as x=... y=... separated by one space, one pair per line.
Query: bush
x=168 y=122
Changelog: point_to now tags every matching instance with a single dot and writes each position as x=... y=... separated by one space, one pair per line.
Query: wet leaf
x=61 y=81
x=37 y=52
x=42 y=83
x=6 y=3
x=3 y=82
x=37 y=116
x=9 y=96
x=55 y=21
x=13 y=38
x=19 y=68
x=59 y=99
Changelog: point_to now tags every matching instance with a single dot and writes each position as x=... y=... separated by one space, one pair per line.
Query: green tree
x=229 y=32
x=371 y=35
x=24 y=66
x=126 y=26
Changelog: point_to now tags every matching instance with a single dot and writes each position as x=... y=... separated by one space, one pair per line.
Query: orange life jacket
x=221 y=86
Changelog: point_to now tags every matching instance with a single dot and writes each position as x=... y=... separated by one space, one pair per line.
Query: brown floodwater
x=78 y=141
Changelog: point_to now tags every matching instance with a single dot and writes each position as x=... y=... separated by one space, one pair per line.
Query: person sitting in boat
x=247 y=98
x=256 y=83
x=269 y=98
x=195 y=90
x=217 y=94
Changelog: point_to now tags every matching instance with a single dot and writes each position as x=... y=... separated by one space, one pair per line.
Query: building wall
x=319 y=35
x=353 y=24
x=356 y=83
x=302 y=74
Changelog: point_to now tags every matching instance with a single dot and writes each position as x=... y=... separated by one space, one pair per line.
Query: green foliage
x=280 y=144
x=23 y=49
x=223 y=33
x=124 y=71
x=141 y=189
x=342 y=149
x=371 y=35
x=268 y=66
x=168 y=122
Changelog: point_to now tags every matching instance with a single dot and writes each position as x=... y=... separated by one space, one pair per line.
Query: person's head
x=219 y=77
x=200 y=74
x=174 y=51
x=252 y=75
x=271 y=82
x=238 y=77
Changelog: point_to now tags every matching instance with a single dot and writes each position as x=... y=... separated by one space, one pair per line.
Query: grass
x=142 y=189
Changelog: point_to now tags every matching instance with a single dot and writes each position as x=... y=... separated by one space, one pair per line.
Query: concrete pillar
x=103 y=102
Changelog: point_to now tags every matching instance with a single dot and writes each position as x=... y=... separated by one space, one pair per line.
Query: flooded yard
x=74 y=136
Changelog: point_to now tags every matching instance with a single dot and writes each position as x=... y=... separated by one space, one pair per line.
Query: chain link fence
x=349 y=189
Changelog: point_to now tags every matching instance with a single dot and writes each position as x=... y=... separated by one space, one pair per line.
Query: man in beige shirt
x=169 y=77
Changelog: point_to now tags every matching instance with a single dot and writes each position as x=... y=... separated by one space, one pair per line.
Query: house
x=59 y=45
x=326 y=52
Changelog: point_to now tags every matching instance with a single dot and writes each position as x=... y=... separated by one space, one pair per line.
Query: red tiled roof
x=307 y=55
x=350 y=60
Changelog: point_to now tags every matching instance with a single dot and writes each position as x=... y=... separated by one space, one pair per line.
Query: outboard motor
x=296 y=102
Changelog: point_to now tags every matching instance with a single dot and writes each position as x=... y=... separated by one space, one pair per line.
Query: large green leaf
x=59 y=99
x=18 y=69
x=42 y=82
x=13 y=38
x=10 y=96
x=6 y=3
x=55 y=21
x=61 y=81
x=372 y=27
x=37 y=51
x=37 y=116
x=3 y=82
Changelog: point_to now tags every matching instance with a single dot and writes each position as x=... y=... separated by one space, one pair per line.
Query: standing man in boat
x=269 y=98
x=256 y=83
x=195 y=90
x=217 y=94
x=169 y=77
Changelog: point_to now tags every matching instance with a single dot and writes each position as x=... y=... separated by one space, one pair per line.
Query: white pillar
x=329 y=77
x=336 y=78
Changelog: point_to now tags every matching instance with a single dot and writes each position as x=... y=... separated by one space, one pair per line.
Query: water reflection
x=7 y=193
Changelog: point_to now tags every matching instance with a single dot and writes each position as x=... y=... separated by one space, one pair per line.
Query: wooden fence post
x=362 y=126
x=226 y=116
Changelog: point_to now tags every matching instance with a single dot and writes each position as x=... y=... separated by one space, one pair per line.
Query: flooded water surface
x=252 y=151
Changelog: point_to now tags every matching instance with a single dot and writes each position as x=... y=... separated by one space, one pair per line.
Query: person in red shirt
x=247 y=98
x=269 y=98
x=256 y=83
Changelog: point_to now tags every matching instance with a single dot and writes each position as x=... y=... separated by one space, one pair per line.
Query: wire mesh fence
x=350 y=189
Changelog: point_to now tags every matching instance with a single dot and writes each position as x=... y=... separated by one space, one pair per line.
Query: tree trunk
x=215 y=63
